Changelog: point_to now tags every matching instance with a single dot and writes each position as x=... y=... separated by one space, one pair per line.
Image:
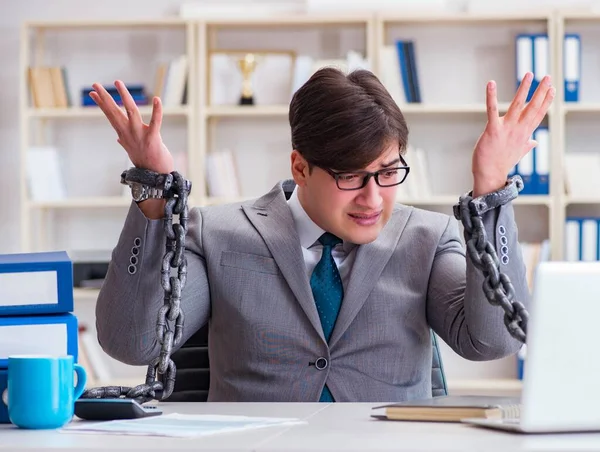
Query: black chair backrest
x=192 y=379
x=193 y=371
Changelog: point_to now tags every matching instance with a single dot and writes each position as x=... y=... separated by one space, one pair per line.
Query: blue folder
x=29 y=335
x=21 y=276
x=3 y=409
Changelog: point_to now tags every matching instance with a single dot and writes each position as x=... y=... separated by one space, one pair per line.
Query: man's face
x=357 y=216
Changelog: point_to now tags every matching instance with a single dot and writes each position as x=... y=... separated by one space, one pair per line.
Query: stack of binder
x=400 y=74
x=533 y=55
x=582 y=239
x=36 y=309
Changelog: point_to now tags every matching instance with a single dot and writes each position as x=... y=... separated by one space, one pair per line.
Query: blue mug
x=41 y=392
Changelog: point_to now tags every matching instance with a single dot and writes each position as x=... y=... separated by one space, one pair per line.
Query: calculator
x=113 y=409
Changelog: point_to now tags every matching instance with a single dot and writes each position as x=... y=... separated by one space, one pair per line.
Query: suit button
x=321 y=363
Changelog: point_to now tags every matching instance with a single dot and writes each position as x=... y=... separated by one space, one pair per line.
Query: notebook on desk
x=560 y=382
x=450 y=409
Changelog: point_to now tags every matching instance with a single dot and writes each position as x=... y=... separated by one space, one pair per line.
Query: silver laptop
x=561 y=381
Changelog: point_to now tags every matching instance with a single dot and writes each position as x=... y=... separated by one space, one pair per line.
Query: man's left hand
x=507 y=139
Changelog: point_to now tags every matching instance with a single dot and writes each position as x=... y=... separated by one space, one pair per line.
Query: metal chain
x=176 y=190
x=497 y=287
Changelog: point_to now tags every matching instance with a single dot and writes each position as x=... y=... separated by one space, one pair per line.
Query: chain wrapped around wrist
x=497 y=287
x=169 y=326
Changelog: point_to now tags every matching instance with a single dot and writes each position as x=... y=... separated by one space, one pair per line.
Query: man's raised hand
x=142 y=142
x=506 y=139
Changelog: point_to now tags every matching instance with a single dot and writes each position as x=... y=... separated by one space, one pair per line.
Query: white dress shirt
x=309 y=233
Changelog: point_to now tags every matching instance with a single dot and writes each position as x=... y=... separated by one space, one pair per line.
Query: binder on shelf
x=582 y=239
x=521 y=355
x=589 y=239
x=525 y=59
x=390 y=73
x=572 y=66
x=525 y=169
x=541 y=159
x=572 y=240
x=53 y=334
x=36 y=283
x=541 y=59
x=534 y=167
x=405 y=71
x=413 y=72
x=4 y=419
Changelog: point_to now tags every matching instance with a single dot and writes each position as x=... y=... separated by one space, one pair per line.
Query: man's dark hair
x=345 y=122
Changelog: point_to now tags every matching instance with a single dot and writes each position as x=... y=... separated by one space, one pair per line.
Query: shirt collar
x=308 y=231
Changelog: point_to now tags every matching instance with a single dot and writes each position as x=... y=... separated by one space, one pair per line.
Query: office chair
x=193 y=374
x=438 y=377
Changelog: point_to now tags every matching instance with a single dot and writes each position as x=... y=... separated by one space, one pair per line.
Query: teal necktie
x=328 y=292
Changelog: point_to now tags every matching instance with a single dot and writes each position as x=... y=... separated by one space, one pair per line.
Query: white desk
x=329 y=427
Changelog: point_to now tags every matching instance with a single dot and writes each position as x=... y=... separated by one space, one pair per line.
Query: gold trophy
x=247 y=64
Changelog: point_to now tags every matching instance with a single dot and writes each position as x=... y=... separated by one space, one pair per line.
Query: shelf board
x=534 y=200
x=449 y=200
x=87 y=294
x=582 y=200
x=583 y=107
x=218 y=111
x=584 y=14
x=95 y=112
x=83 y=202
x=112 y=23
x=485 y=384
x=282 y=110
x=395 y=17
x=300 y=19
x=424 y=108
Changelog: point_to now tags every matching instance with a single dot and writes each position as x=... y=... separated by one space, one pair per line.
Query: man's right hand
x=142 y=142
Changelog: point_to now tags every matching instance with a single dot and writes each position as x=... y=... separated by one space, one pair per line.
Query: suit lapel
x=272 y=218
x=369 y=262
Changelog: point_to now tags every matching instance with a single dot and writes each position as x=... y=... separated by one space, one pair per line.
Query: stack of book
x=48 y=87
x=36 y=309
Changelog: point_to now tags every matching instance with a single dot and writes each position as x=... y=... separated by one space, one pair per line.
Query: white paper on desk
x=180 y=425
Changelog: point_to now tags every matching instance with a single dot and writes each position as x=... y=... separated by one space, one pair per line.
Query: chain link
x=497 y=286
x=169 y=324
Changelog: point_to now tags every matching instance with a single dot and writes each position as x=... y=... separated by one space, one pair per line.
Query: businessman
x=324 y=288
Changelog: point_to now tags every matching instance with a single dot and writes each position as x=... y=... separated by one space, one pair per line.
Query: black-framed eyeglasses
x=385 y=177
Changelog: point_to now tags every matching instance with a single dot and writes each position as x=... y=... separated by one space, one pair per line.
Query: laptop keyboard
x=511 y=413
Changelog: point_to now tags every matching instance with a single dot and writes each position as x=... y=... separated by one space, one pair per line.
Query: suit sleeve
x=129 y=300
x=457 y=308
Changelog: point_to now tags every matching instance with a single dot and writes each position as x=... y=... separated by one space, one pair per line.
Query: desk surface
x=341 y=426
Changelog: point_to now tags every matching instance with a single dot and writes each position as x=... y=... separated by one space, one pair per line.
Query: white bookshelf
x=577 y=123
x=43 y=43
x=456 y=54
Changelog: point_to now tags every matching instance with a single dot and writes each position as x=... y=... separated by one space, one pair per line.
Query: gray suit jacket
x=247 y=278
